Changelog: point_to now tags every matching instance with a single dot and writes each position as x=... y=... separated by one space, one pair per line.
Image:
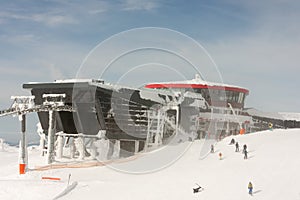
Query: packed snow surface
x=273 y=168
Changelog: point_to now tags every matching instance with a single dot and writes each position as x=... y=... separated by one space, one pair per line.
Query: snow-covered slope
x=273 y=168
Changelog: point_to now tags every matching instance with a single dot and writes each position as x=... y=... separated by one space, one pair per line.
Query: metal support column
x=23 y=157
x=157 y=134
x=51 y=137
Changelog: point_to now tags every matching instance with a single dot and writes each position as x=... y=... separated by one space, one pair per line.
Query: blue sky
x=254 y=43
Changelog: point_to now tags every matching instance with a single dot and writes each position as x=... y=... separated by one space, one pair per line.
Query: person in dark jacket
x=232 y=141
x=237 y=147
x=245 y=154
x=244 y=148
x=212 y=149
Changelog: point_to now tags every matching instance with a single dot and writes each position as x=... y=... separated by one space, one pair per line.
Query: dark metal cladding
x=95 y=109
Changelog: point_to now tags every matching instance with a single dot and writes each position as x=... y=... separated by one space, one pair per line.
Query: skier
x=212 y=149
x=245 y=154
x=244 y=148
x=237 y=147
x=270 y=126
x=232 y=141
x=197 y=189
x=250 y=187
x=220 y=156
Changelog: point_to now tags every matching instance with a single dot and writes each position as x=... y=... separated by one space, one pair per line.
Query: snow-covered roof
x=144 y=92
x=290 y=116
x=71 y=81
x=78 y=81
x=258 y=113
x=194 y=82
x=274 y=115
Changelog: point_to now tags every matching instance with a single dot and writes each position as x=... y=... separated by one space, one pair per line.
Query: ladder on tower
x=158 y=122
x=155 y=131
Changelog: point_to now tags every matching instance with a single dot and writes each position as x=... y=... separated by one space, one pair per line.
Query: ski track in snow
x=273 y=168
x=68 y=189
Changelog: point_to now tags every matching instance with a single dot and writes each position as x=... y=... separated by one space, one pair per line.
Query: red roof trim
x=174 y=85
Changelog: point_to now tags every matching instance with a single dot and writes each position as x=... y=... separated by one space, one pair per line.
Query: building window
x=241 y=97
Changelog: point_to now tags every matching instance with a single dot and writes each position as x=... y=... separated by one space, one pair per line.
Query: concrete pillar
x=79 y=143
x=93 y=148
x=23 y=154
x=51 y=137
x=117 y=147
x=137 y=145
x=110 y=151
x=72 y=148
x=60 y=145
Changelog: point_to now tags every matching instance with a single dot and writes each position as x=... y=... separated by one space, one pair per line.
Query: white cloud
x=10 y=70
x=52 y=19
x=20 y=39
x=131 y=5
x=47 y=18
x=97 y=11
